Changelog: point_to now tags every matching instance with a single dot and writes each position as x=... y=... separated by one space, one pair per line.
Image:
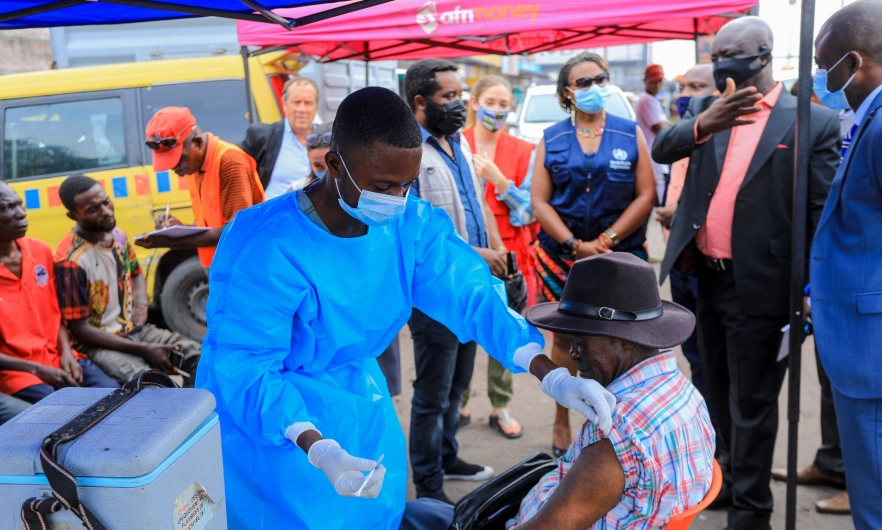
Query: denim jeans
x=93 y=377
x=11 y=407
x=443 y=370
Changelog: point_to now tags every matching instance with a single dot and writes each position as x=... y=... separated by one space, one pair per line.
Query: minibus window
x=219 y=106
x=63 y=137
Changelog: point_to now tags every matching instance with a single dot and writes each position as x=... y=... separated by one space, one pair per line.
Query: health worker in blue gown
x=307 y=290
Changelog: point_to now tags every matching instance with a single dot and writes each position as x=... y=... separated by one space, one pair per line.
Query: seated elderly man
x=657 y=460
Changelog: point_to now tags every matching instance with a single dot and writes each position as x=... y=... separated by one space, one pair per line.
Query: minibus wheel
x=184 y=295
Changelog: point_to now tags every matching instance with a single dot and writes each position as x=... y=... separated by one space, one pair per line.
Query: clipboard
x=176 y=231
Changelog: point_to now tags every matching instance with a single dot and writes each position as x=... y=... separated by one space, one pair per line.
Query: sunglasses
x=156 y=142
x=317 y=140
x=586 y=82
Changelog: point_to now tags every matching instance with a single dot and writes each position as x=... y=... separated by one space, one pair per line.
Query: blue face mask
x=833 y=100
x=374 y=209
x=319 y=175
x=683 y=104
x=492 y=120
x=592 y=99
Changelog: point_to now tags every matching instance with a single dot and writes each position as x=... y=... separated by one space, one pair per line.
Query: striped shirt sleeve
x=238 y=188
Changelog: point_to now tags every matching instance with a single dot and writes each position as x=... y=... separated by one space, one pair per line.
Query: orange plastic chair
x=681 y=521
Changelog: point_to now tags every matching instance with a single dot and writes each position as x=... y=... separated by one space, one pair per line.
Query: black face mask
x=738 y=69
x=447 y=118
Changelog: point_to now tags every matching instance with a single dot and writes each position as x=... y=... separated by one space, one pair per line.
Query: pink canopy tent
x=406 y=29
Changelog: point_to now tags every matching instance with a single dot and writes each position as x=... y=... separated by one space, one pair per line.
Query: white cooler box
x=154 y=463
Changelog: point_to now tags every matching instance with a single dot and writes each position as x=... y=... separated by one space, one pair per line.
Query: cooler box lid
x=133 y=441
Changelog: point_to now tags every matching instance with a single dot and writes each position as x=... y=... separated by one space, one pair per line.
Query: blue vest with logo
x=590 y=198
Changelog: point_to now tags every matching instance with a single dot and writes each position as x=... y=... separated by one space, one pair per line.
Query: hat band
x=608 y=313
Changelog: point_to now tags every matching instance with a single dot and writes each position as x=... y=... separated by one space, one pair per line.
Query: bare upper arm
x=540 y=189
x=593 y=486
x=659 y=126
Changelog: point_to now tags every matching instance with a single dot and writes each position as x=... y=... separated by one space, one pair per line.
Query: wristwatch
x=567 y=245
x=613 y=237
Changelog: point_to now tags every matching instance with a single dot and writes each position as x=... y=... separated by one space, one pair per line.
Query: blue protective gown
x=296 y=320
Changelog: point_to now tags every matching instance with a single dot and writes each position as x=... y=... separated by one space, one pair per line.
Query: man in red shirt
x=35 y=354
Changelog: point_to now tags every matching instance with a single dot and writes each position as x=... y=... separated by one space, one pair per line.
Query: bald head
x=854 y=28
x=751 y=35
x=698 y=81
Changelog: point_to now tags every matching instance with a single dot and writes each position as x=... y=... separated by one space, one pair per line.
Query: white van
x=541 y=110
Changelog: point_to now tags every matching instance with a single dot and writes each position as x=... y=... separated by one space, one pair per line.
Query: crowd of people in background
x=720 y=175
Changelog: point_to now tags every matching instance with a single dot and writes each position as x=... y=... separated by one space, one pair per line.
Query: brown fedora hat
x=615 y=295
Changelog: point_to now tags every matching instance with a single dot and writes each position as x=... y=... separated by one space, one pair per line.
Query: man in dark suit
x=733 y=228
x=280 y=148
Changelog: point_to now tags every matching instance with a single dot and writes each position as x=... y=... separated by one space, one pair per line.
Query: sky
x=678 y=56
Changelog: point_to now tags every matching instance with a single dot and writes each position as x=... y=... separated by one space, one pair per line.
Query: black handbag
x=497 y=501
x=516 y=289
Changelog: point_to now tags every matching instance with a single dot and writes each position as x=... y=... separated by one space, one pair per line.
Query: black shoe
x=462 y=470
x=437 y=496
x=723 y=500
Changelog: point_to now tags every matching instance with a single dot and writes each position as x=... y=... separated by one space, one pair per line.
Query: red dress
x=513 y=160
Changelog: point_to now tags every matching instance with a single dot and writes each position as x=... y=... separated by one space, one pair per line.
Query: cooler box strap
x=63 y=484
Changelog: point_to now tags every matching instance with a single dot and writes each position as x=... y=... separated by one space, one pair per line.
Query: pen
x=368 y=478
x=165 y=221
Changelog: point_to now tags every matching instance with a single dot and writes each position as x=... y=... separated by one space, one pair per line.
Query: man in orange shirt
x=733 y=230
x=221 y=178
x=35 y=354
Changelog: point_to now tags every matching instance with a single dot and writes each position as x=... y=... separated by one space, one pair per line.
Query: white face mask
x=374 y=209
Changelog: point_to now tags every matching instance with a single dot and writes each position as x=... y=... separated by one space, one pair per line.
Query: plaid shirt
x=664 y=440
x=95 y=282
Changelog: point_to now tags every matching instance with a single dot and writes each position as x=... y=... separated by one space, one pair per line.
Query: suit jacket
x=761 y=226
x=846 y=275
x=263 y=142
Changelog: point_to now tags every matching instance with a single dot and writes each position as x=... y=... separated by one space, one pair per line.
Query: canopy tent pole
x=243 y=50
x=798 y=249
x=263 y=14
x=36 y=10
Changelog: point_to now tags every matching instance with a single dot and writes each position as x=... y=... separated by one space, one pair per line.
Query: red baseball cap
x=654 y=72
x=172 y=124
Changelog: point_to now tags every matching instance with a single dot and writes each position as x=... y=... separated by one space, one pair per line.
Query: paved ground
x=480 y=444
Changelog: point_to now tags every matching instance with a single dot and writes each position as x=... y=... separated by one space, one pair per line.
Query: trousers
x=123 y=366
x=11 y=407
x=444 y=369
x=500 y=386
x=93 y=377
x=828 y=458
x=742 y=379
x=860 y=427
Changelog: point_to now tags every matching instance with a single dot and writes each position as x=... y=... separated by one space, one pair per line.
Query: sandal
x=504 y=416
x=464 y=419
x=559 y=452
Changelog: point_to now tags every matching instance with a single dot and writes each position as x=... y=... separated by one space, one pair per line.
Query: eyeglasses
x=317 y=140
x=586 y=82
x=156 y=142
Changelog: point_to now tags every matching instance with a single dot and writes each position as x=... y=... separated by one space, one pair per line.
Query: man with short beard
x=103 y=295
x=433 y=90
